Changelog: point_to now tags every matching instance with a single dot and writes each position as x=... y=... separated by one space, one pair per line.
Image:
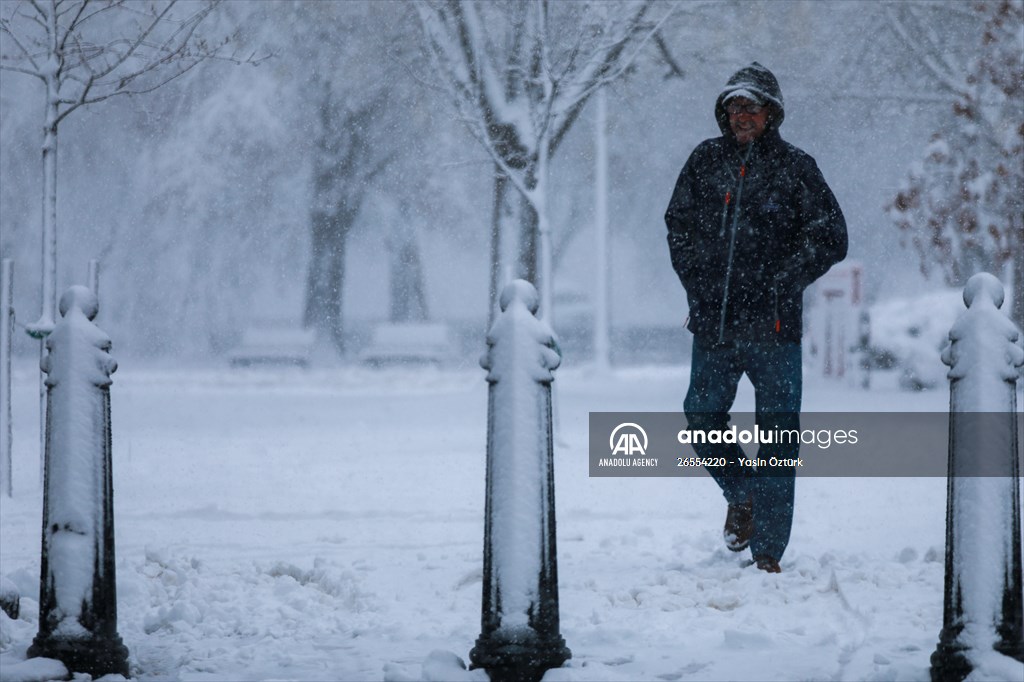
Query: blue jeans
x=775 y=371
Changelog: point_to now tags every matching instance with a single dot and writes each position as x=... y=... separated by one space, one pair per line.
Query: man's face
x=747 y=119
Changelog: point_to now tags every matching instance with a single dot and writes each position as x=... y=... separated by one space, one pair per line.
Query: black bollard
x=520 y=637
x=77 y=593
x=982 y=607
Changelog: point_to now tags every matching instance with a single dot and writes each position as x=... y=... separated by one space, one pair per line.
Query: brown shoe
x=739 y=526
x=767 y=564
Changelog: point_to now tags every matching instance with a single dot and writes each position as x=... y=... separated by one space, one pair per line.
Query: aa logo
x=628 y=439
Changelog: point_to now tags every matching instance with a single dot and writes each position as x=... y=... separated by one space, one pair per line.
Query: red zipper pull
x=728 y=196
x=743 y=171
x=778 y=325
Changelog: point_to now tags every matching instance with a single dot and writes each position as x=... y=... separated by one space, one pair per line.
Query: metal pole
x=983 y=602
x=601 y=271
x=6 y=326
x=520 y=637
x=93 y=278
x=42 y=417
x=78 y=591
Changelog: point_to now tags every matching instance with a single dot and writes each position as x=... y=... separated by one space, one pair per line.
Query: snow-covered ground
x=327 y=525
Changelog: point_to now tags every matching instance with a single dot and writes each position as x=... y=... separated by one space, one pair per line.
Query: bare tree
x=356 y=136
x=519 y=74
x=407 y=292
x=961 y=206
x=265 y=173
x=345 y=162
x=407 y=295
x=87 y=51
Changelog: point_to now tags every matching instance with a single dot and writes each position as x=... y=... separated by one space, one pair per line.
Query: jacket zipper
x=732 y=238
x=725 y=214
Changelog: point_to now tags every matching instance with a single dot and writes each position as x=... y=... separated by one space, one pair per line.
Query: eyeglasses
x=735 y=109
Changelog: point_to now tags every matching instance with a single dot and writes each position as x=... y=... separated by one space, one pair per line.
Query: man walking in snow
x=751 y=224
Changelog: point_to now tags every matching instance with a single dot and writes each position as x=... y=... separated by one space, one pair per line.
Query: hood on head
x=756 y=83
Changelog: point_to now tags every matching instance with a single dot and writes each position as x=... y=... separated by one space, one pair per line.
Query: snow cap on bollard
x=987 y=286
x=518 y=337
x=78 y=308
x=78 y=296
x=983 y=337
x=522 y=291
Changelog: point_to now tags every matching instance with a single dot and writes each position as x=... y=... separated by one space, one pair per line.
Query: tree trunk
x=602 y=333
x=544 y=265
x=1017 y=295
x=513 y=238
x=408 y=290
x=527 y=230
x=48 y=314
x=48 y=317
x=326 y=278
x=497 y=208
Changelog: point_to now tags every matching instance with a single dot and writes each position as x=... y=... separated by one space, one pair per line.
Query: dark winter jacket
x=749 y=228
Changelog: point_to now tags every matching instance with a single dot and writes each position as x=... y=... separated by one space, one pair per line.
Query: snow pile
x=36 y=670
x=254 y=614
x=10 y=597
x=913 y=332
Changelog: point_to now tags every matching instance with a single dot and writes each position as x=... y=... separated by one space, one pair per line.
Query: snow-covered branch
x=81 y=60
x=85 y=61
x=11 y=63
x=520 y=101
x=945 y=76
x=959 y=206
x=517 y=106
